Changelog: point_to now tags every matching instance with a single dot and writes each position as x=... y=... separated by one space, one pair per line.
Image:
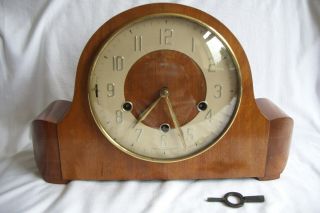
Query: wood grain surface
x=154 y=71
x=256 y=145
x=45 y=141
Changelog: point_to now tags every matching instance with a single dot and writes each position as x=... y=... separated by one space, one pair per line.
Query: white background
x=40 y=44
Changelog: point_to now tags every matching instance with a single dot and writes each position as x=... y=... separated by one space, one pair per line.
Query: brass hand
x=146 y=112
x=175 y=121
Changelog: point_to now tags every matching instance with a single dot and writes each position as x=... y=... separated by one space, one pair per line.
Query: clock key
x=240 y=199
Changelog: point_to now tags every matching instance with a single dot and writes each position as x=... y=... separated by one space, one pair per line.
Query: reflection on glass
x=215 y=46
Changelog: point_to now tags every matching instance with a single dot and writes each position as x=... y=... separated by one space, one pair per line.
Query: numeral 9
x=110 y=90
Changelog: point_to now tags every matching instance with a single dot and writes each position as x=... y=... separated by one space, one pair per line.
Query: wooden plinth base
x=48 y=148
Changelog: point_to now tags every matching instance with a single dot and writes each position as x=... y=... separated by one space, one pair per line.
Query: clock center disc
x=165 y=69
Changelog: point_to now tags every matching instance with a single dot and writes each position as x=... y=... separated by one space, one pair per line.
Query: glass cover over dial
x=164 y=88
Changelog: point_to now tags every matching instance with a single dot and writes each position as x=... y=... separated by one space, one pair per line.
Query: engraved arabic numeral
x=208 y=116
x=193 y=45
x=166 y=36
x=218 y=91
x=163 y=140
x=117 y=63
x=211 y=65
x=137 y=43
x=190 y=134
x=118 y=116
x=110 y=89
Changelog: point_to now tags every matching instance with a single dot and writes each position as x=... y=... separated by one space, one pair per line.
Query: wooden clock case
x=68 y=145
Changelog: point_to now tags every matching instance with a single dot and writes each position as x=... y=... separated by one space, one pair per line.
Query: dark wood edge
x=280 y=131
x=45 y=141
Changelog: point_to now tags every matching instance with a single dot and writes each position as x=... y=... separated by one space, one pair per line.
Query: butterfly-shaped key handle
x=240 y=198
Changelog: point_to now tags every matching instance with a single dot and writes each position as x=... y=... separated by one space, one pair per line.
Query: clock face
x=164 y=88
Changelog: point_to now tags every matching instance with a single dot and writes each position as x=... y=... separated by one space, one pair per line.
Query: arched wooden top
x=114 y=24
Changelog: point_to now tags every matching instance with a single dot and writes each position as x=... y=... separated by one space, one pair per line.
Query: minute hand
x=175 y=121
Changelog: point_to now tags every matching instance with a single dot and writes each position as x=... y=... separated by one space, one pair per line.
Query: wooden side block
x=280 y=132
x=45 y=141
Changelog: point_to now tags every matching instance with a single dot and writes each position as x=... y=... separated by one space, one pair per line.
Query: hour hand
x=146 y=112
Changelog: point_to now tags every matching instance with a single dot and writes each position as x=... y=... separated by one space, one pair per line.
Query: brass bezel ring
x=228 y=125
